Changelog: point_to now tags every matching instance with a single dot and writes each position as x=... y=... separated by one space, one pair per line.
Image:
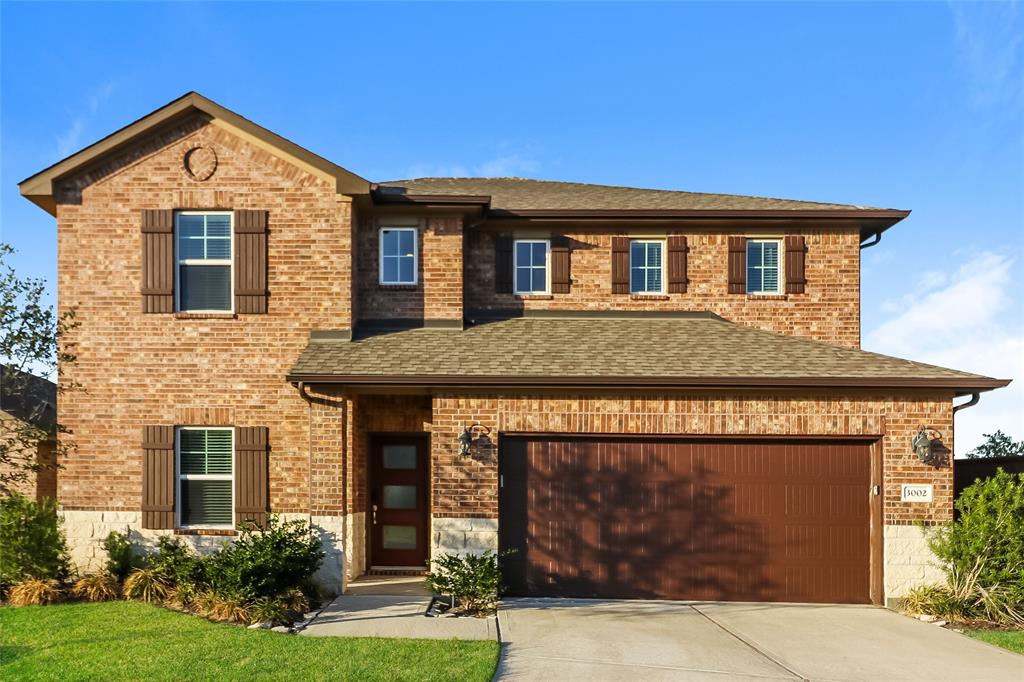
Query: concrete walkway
x=628 y=640
x=393 y=607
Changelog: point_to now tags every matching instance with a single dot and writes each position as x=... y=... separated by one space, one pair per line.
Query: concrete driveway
x=562 y=639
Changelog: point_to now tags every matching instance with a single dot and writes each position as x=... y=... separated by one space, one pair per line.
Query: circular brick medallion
x=200 y=163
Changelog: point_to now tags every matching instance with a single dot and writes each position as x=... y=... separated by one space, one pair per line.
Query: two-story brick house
x=643 y=393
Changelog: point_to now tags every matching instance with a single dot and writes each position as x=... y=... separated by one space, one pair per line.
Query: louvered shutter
x=158 y=261
x=251 y=477
x=677 y=251
x=796 y=278
x=737 y=265
x=620 y=265
x=250 y=261
x=158 y=477
x=561 y=278
x=503 y=265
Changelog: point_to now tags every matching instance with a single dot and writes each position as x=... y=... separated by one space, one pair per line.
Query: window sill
x=767 y=297
x=533 y=297
x=217 y=532
x=398 y=287
x=205 y=316
x=648 y=297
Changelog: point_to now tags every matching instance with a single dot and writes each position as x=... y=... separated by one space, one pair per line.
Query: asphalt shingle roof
x=694 y=347
x=517 y=194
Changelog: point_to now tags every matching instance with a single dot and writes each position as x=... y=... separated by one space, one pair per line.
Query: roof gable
x=39 y=188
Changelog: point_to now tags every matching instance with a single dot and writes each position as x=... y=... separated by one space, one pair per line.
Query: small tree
x=32 y=342
x=997 y=444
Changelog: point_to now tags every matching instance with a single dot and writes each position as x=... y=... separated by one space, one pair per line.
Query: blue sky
x=917 y=106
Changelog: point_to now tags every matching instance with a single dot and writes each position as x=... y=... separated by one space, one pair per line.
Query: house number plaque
x=916 y=492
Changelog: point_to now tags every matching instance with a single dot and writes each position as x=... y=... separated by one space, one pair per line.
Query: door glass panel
x=399 y=456
x=399 y=497
x=399 y=537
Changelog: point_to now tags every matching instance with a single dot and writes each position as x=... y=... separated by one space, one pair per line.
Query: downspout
x=868 y=245
x=975 y=397
x=309 y=446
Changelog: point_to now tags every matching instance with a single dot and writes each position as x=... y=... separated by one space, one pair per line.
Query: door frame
x=373 y=442
x=874 y=442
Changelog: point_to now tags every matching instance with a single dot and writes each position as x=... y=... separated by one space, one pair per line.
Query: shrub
x=267 y=610
x=32 y=541
x=264 y=562
x=97 y=587
x=34 y=592
x=122 y=558
x=982 y=554
x=472 y=580
x=146 y=584
x=177 y=564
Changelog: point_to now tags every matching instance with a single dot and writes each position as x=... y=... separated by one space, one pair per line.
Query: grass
x=132 y=641
x=1007 y=639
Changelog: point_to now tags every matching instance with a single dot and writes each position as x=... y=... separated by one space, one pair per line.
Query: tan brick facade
x=828 y=310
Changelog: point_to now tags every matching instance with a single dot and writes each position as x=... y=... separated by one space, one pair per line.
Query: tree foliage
x=32 y=345
x=997 y=444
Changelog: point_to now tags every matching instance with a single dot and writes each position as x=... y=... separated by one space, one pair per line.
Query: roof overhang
x=40 y=188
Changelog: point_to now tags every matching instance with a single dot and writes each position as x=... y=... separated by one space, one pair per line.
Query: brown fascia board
x=961 y=384
x=39 y=188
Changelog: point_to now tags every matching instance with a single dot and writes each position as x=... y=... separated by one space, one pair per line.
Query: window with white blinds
x=646 y=267
x=763 y=275
x=205 y=477
x=203 y=246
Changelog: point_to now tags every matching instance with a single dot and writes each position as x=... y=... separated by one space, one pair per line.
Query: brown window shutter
x=250 y=261
x=158 y=261
x=158 y=477
x=677 y=265
x=503 y=265
x=620 y=265
x=795 y=272
x=251 y=478
x=737 y=265
x=561 y=278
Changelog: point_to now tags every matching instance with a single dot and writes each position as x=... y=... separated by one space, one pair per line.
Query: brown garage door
x=707 y=520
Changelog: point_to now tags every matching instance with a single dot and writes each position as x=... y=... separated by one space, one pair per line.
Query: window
x=531 y=266
x=398 y=255
x=204 y=262
x=206 y=477
x=763 y=266
x=645 y=267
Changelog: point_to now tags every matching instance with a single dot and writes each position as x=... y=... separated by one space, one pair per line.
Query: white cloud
x=970 y=321
x=70 y=140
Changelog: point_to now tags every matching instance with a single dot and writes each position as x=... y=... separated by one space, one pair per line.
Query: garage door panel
x=734 y=520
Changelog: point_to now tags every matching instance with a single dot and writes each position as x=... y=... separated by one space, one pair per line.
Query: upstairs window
x=646 y=266
x=206 y=477
x=763 y=266
x=531 y=266
x=204 y=261
x=398 y=254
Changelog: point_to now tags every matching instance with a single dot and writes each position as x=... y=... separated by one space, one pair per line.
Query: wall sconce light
x=467 y=437
x=923 y=445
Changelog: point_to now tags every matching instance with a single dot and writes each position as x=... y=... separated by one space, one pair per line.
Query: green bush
x=472 y=580
x=178 y=564
x=32 y=543
x=264 y=562
x=982 y=554
x=122 y=558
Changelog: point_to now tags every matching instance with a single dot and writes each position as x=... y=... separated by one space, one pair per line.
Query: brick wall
x=829 y=310
x=438 y=292
x=138 y=369
x=467 y=486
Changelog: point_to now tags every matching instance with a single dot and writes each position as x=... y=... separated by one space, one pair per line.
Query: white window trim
x=664 y=273
x=780 y=284
x=230 y=262
x=415 y=255
x=179 y=477
x=547 y=266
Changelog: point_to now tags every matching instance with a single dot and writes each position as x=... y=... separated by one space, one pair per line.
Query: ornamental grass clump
x=97 y=587
x=34 y=592
x=148 y=585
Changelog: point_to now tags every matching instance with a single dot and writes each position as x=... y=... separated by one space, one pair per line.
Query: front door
x=398 y=501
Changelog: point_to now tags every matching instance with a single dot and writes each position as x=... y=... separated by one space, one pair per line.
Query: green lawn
x=1007 y=639
x=133 y=641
